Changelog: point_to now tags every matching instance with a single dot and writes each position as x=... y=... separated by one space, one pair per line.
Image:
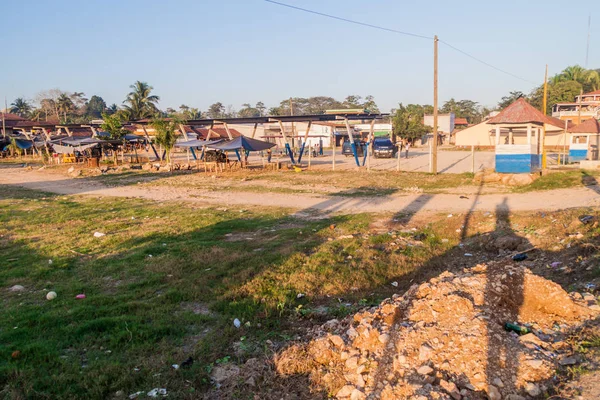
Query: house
x=446 y=124
x=460 y=123
x=9 y=121
x=482 y=134
x=585 y=139
x=586 y=105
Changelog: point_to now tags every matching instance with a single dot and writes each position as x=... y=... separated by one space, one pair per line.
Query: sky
x=244 y=51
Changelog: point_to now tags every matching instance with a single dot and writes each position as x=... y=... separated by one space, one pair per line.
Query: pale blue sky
x=238 y=51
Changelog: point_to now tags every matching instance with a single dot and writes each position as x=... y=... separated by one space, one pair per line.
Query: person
x=269 y=154
x=407 y=147
x=314 y=150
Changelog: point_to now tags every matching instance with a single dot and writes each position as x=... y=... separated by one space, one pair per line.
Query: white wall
x=445 y=122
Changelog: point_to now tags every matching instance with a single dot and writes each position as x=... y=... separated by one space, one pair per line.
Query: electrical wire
x=381 y=28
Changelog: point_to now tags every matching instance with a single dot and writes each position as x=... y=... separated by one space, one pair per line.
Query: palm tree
x=588 y=78
x=65 y=105
x=21 y=107
x=166 y=131
x=139 y=102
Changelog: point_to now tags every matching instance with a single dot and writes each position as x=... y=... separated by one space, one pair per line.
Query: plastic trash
x=468 y=255
x=300 y=295
x=187 y=363
x=521 y=330
x=49 y=262
x=395 y=284
x=51 y=295
x=156 y=391
x=237 y=323
x=80 y=296
x=586 y=219
x=175 y=366
x=556 y=264
x=99 y=234
x=520 y=257
x=135 y=395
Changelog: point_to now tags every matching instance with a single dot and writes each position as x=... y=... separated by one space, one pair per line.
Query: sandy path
x=398 y=203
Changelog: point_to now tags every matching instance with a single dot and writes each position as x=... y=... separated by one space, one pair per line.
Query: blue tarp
x=242 y=142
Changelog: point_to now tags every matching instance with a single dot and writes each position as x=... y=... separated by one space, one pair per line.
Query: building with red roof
x=585 y=106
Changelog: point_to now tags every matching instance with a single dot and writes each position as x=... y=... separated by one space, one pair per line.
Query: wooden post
x=333 y=147
x=309 y=153
x=435 y=106
x=399 y=153
x=228 y=132
x=182 y=129
x=473 y=158
x=545 y=104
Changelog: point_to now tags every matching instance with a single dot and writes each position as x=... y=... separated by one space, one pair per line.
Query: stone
x=425 y=370
x=514 y=397
x=520 y=180
x=147 y=167
x=223 y=373
x=535 y=364
x=498 y=382
x=352 y=363
x=568 y=361
x=251 y=381
x=494 y=393
x=337 y=340
x=532 y=389
x=357 y=395
x=345 y=391
x=384 y=338
x=425 y=352
x=451 y=389
x=17 y=288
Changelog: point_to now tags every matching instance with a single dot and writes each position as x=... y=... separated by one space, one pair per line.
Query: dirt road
x=397 y=203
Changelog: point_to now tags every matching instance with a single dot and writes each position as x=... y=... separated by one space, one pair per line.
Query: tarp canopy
x=72 y=149
x=80 y=141
x=196 y=143
x=242 y=142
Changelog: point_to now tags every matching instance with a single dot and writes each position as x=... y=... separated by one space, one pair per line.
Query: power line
x=486 y=63
x=381 y=28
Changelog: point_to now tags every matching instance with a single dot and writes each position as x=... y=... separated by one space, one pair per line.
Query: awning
x=242 y=142
x=196 y=143
x=72 y=149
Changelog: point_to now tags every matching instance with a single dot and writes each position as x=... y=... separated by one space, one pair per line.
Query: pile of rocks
x=446 y=339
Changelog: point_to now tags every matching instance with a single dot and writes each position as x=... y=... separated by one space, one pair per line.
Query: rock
x=345 y=391
x=74 y=172
x=425 y=370
x=250 y=381
x=99 y=234
x=514 y=397
x=568 y=361
x=451 y=389
x=147 y=167
x=507 y=242
x=498 y=382
x=384 y=338
x=535 y=364
x=222 y=373
x=494 y=393
x=337 y=340
x=521 y=179
x=532 y=389
x=352 y=363
x=357 y=395
x=425 y=352
x=17 y=288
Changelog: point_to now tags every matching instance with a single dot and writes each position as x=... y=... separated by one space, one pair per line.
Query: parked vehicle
x=347 y=148
x=384 y=148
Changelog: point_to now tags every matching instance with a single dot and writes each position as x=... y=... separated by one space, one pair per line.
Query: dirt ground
x=60 y=182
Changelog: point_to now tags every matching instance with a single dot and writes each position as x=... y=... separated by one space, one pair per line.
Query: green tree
x=370 y=105
x=21 y=107
x=463 y=109
x=511 y=98
x=113 y=124
x=353 y=101
x=260 y=106
x=65 y=105
x=113 y=108
x=216 y=110
x=166 y=134
x=407 y=122
x=557 y=93
x=140 y=103
x=95 y=107
x=589 y=79
x=248 y=111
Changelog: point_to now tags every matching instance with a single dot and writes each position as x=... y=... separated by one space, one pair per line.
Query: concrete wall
x=483 y=135
x=445 y=122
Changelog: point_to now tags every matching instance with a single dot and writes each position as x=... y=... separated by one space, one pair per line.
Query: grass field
x=167 y=281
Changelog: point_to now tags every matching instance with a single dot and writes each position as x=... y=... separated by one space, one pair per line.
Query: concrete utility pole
x=435 y=106
x=4 y=120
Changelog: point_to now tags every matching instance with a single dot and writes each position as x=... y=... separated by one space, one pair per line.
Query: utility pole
x=579 y=107
x=435 y=106
x=292 y=114
x=544 y=105
x=4 y=119
x=587 y=50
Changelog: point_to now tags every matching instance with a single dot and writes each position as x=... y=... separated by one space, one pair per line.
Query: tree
x=216 y=110
x=110 y=110
x=370 y=105
x=463 y=109
x=21 y=107
x=511 y=98
x=260 y=106
x=557 y=93
x=352 y=101
x=140 y=103
x=65 y=105
x=248 y=111
x=95 y=107
x=589 y=79
x=48 y=101
x=165 y=134
x=407 y=122
x=114 y=126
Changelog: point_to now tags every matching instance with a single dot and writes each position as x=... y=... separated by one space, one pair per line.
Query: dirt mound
x=445 y=339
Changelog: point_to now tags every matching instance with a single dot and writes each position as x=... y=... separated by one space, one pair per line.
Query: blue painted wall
x=517 y=163
x=577 y=155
